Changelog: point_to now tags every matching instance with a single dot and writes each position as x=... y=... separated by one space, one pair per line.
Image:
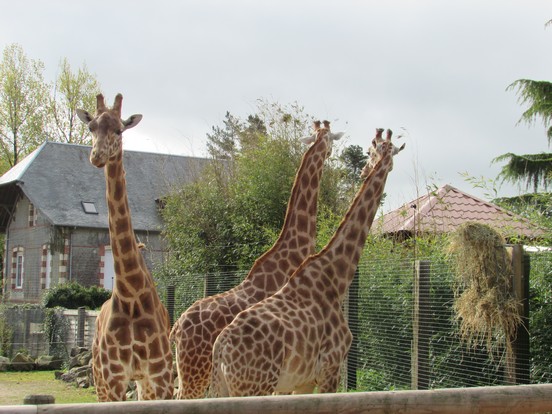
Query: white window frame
x=19 y=269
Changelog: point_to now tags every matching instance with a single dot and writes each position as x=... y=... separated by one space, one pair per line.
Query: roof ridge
x=18 y=170
x=70 y=144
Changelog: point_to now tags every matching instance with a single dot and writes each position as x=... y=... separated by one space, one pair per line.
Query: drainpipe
x=5 y=279
x=71 y=255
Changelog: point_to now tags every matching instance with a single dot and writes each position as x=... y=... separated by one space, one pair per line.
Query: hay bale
x=486 y=310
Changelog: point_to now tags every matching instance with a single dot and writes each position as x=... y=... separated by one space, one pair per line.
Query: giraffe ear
x=308 y=140
x=336 y=135
x=132 y=121
x=84 y=116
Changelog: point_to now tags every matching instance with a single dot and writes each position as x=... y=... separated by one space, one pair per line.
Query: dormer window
x=89 y=207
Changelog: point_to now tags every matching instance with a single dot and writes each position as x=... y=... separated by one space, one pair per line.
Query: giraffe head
x=107 y=129
x=379 y=148
x=323 y=132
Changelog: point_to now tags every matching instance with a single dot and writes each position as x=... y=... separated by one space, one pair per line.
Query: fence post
x=421 y=326
x=81 y=319
x=518 y=369
x=170 y=303
x=352 y=316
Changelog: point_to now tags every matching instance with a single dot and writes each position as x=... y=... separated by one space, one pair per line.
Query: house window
x=48 y=268
x=89 y=207
x=32 y=215
x=19 y=270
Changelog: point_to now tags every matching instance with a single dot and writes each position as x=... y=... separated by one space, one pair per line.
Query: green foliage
x=533 y=169
x=540 y=306
x=234 y=212
x=23 y=104
x=71 y=90
x=73 y=296
x=354 y=159
x=56 y=328
x=538 y=95
x=6 y=334
x=535 y=207
x=31 y=110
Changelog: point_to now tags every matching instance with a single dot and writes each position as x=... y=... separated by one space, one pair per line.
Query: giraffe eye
x=119 y=132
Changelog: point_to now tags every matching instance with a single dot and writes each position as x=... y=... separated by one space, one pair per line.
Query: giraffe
x=373 y=154
x=131 y=341
x=298 y=338
x=197 y=328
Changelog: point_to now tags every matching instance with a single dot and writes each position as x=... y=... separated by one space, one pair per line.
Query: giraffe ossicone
x=197 y=328
x=131 y=341
x=297 y=339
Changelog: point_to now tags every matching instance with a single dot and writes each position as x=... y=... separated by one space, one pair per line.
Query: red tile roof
x=445 y=209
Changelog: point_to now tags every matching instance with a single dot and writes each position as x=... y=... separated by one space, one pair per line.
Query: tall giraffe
x=298 y=338
x=373 y=154
x=131 y=341
x=196 y=330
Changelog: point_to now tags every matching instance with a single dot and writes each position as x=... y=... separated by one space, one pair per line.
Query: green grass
x=14 y=386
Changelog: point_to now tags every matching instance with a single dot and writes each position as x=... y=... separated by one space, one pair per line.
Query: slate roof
x=58 y=177
x=445 y=209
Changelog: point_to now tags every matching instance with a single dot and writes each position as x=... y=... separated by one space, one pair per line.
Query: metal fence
x=405 y=330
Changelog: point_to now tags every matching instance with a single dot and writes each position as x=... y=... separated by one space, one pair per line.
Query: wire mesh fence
x=406 y=333
x=381 y=307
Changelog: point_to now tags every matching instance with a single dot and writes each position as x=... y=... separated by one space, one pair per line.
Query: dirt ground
x=14 y=386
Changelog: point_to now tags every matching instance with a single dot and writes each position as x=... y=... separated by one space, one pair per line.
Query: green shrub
x=6 y=334
x=56 y=328
x=73 y=296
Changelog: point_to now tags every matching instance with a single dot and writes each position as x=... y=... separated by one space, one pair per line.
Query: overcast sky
x=437 y=68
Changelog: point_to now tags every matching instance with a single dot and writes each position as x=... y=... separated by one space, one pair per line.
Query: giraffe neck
x=297 y=239
x=340 y=257
x=127 y=258
x=300 y=219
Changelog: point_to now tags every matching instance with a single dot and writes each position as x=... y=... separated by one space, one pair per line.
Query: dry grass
x=487 y=312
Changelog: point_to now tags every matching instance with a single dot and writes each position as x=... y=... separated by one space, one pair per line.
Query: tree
x=222 y=143
x=23 y=104
x=72 y=90
x=223 y=222
x=533 y=169
x=354 y=160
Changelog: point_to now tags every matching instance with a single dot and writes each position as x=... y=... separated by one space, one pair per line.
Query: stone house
x=53 y=214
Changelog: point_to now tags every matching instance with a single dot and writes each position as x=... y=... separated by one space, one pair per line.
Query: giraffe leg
x=100 y=384
x=146 y=389
x=155 y=387
x=194 y=375
x=329 y=379
x=108 y=387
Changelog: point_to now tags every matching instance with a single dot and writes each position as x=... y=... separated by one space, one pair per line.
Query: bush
x=55 y=329
x=73 y=296
x=6 y=334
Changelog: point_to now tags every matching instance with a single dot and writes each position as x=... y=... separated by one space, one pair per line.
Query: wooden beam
x=483 y=400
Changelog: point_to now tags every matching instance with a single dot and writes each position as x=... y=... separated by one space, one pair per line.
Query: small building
x=445 y=209
x=54 y=216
